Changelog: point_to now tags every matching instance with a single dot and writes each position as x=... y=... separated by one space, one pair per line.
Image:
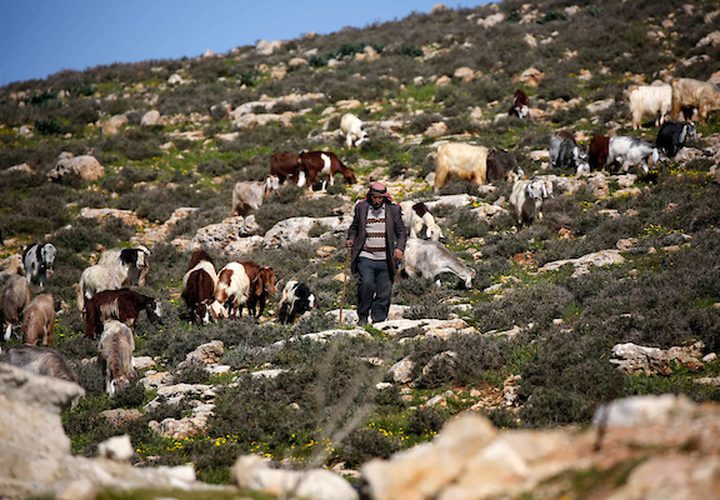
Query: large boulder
x=297 y=229
x=85 y=167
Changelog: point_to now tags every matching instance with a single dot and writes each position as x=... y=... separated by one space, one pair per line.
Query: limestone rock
x=464 y=74
x=402 y=370
x=253 y=473
x=491 y=20
x=218 y=236
x=116 y=448
x=437 y=129
x=112 y=125
x=531 y=77
x=266 y=47
x=297 y=229
x=639 y=411
x=631 y=358
x=581 y=264
x=150 y=118
x=86 y=167
x=205 y=354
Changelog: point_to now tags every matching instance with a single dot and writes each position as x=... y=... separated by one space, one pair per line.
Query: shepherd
x=376 y=239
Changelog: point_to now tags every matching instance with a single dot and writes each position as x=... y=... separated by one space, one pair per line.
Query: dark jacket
x=395 y=233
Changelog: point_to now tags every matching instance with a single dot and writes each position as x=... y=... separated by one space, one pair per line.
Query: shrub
x=363 y=444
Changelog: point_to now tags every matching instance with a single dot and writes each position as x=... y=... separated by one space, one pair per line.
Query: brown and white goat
x=232 y=290
x=123 y=304
x=262 y=286
x=326 y=163
x=199 y=285
x=39 y=320
x=287 y=165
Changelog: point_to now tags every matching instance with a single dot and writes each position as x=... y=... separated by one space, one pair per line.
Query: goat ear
x=258 y=285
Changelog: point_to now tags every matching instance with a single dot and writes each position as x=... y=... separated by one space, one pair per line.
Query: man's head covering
x=378 y=188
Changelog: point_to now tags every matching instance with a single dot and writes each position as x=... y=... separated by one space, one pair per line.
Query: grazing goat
x=15 y=297
x=501 y=165
x=130 y=264
x=689 y=93
x=654 y=100
x=262 y=285
x=123 y=304
x=95 y=279
x=416 y=216
x=116 y=348
x=199 y=285
x=352 y=127
x=464 y=161
x=598 y=152
x=629 y=151
x=296 y=300
x=232 y=290
x=326 y=163
x=284 y=165
x=38 y=261
x=40 y=361
x=565 y=153
x=521 y=105
x=430 y=258
x=251 y=194
x=39 y=321
x=527 y=198
x=672 y=137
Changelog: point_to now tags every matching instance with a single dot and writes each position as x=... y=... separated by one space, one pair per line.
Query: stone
x=402 y=371
x=581 y=264
x=297 y=62
x=175 y=79
x=632 y=359
x=710 y=40
x=112 y=125
x=120 y=417
x=435 y=130
x=219 y=236
x=266 y=47
x=491 y=20
x=639 y=411
x=205 y=354
x=142 y=362
x=424 y=470
x=253 y=473
x=293 y=230
x=155 y=380
x=598 y=106
x=86 y=167
x=116 y=448
x=464 y=74
x=530 y=77
x=150 y=118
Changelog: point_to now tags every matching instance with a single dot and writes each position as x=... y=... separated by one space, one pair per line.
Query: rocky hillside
x=614 y=293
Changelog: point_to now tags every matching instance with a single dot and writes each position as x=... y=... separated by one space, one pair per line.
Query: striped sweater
x=374 y=247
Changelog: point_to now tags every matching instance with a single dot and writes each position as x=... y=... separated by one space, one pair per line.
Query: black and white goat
x=416 y=216
x=527 y=198
x=566 y=153
x=38 y=261
x=295 y=301
x=672 y=137
x=630 y=152
x=130 y=264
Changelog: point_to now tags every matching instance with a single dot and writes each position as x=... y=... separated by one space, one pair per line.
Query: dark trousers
x=374 y=290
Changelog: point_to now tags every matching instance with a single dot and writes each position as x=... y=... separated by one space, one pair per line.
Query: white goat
x=116 y=348
x=629 y=152
x=251 y=194
x=430 y=258
x=655 y=100
x=232 y=290
x=129 y=264
x=527 y=198
x=95 y=279
x=416 y=216
x=352 y=127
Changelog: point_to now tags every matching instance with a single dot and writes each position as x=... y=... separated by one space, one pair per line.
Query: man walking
x=376 y=238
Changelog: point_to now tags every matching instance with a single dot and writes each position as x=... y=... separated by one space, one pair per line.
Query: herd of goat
x=110 y=310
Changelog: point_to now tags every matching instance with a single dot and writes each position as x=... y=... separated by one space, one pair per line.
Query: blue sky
x=41 y=37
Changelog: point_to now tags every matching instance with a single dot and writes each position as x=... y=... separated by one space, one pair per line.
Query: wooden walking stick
x=346 y=272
